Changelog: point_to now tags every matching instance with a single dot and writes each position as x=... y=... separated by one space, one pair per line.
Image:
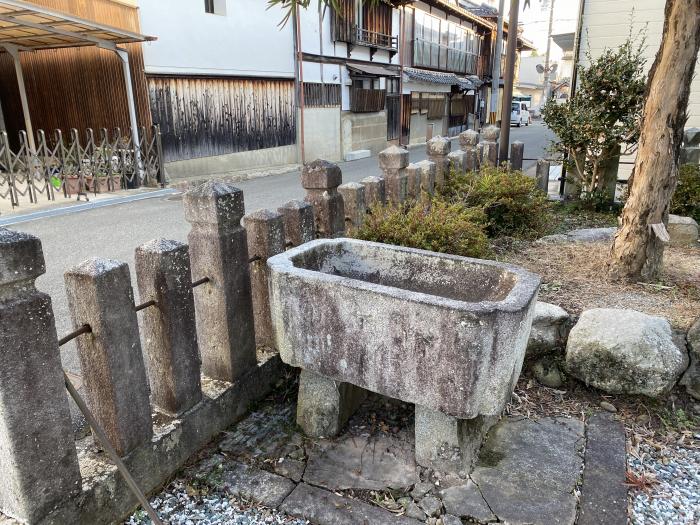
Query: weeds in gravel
x=644 y=482
x=678 y=420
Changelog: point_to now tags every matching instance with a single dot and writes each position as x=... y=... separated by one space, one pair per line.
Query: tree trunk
x=637 y=252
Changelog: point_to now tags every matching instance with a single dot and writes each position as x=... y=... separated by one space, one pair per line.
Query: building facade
x=220 y=84
x=350 y=70
x=76 y=87
x=233 y=89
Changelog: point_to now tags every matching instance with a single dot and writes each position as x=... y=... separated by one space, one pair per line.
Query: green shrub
x=427 y=224
x=510 y=200
x=686 y=199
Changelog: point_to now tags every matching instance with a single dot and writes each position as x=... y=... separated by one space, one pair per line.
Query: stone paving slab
x=528 y=470
x=466 y=501
x=242 y=480
x=604 y=493
x=325 y=508
x=361 y=462
x=528 y=473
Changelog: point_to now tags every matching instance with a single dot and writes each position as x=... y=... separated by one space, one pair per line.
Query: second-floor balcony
x=366 y=37
x=445 y=58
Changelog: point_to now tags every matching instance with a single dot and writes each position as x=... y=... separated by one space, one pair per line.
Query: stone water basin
x=445 y=332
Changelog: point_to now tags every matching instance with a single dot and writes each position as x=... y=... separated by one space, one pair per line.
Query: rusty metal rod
x=200 y=282
x=85 y=329
x=145 y=305
x=107 y=446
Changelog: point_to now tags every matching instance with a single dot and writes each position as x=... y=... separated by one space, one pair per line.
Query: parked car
x=519 y=115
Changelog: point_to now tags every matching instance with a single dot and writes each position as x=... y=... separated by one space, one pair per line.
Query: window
x=444 y=45
x=215 y=7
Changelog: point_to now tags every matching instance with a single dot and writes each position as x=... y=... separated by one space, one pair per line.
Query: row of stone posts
x=342 y=207
x=205 y=306
x=205 y=309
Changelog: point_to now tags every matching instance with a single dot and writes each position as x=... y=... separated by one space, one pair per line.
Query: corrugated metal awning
x=28 y=27
x=375 y=71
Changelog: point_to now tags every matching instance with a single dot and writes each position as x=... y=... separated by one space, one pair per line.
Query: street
x=115 y=231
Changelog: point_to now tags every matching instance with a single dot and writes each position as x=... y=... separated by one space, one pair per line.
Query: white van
x=519 y=115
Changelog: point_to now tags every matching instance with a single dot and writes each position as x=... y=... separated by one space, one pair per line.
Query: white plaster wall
x=246 y=41
x=527 y=73
x=322 y=134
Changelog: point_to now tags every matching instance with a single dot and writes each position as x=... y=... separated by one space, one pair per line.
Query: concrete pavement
x=114 y=231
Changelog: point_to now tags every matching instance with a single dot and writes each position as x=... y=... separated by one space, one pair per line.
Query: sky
x=535 y=21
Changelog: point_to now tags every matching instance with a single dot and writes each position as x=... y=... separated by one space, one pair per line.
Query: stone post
x=413 y=173
x=375 y=191
x=491 y=133
x=438 y=148
x=99 y=294
x=354 y=201
x=471 y=160
x=458 y=161
x=517 y=152
x=325 y=405
x=427 y=176
x=298 y=219
x=542 y=175
x=38 y=460
x=224 y=305
x=446 y=443
x=469 y=141
x=170 y=331
x=321 y=179
x=489 y=153
x=265 y=238
x=393 y=162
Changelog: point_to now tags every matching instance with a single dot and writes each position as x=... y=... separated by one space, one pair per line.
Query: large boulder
x=682 y=230
x=691 y=378
x=550 y=328
x=625 y=352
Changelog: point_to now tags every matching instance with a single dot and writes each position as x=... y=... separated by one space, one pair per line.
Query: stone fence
x=206 y=330
x=401 y=180
x=206 y=355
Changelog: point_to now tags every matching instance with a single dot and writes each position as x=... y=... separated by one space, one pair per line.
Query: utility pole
x=300 y=81
x=546 y=88
x=496 y=66
x=509 y=80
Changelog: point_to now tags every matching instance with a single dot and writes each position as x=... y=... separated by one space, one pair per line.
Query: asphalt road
x=115 y=231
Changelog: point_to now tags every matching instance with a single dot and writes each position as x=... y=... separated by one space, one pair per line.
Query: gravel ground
x=672 y=493
x=179 y=505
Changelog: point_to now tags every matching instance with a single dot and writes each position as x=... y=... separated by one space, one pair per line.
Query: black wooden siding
x=205 y=117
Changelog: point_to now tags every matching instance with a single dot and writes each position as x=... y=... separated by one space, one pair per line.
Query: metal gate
x=71 y=166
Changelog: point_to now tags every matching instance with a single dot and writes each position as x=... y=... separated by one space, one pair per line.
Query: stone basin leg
x=446 y=443
x=325 y=405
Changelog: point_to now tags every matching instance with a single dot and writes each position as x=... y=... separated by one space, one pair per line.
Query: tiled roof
x=483 y=11
x=448 y=79
x=434 y=77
